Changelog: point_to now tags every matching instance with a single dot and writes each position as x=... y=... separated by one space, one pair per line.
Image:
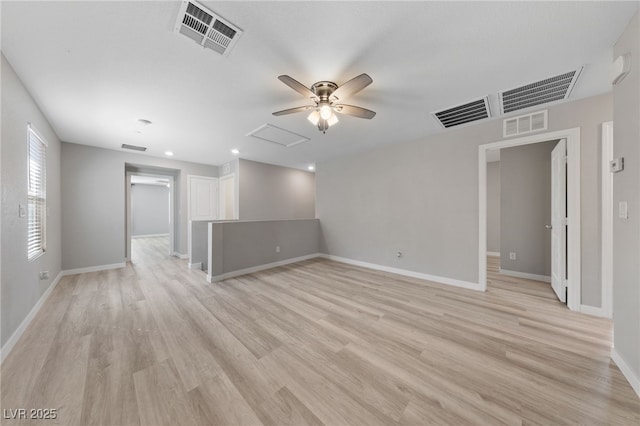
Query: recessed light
x=311 y=167
x=168 y=153
x=235 y=151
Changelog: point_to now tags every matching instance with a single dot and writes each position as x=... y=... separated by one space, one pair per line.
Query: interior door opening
x=520 y=208
x=569 y=254
x=149 y=216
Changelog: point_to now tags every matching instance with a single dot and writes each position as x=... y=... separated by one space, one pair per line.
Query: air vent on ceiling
x=528 y=123
x=465 y=113
x=538 y=93
x=134 y=147
x=206 y=28
x=274 y=134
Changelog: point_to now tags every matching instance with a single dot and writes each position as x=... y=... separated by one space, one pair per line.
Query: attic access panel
x=206 y=28
x=278 y=135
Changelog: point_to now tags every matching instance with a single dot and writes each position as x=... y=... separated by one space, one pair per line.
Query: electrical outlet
x=623 y=210
x=277 y=249
x=512 y=255
x=22 y=211
x=44 y=275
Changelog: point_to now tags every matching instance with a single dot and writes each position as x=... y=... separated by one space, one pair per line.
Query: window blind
x=37 y=196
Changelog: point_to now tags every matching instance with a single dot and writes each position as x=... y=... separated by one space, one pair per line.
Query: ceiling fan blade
x=354 y=111
x=294 y=110
x=352 y=86
x=297 y=86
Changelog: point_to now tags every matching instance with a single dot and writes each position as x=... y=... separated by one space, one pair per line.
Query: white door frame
x=172 y=207
x=573 y=206
x=607 y=220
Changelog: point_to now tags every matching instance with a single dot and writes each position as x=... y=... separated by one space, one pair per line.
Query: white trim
x=97 y=268
x=413 y=274
x=493 y=253
x=592 y=310
x=17 y=334
x=607 y=221
x=221 y=201
x=149 y=235
x=628 y=373
x=180 y=255
x=197 y=265
x=574 y=281
x=251 y=270
x=518 y=274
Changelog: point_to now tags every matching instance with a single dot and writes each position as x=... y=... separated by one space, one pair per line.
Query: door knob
x=548 y=226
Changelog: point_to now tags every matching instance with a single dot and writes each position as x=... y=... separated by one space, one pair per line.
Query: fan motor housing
x=324 y=89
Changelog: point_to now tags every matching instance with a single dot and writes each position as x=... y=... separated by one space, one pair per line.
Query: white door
x=203 y=198
x=558 y=219
x=228 y=197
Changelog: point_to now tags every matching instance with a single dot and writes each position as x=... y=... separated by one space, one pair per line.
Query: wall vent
x=465 y=113
x=522 y=124
x=538 y=93
x=134 y=147
x=275 y=134
x=206 y=28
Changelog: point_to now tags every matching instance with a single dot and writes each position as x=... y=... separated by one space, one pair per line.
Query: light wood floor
x=317 y=342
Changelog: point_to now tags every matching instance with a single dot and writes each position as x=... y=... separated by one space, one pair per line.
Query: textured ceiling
x=96 y=67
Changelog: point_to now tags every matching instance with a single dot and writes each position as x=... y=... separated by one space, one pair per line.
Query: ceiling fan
x=328 y=97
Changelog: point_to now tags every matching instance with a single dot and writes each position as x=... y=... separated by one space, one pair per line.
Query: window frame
x=36 y=193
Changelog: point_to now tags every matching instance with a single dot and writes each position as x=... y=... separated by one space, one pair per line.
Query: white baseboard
x=232 y=274
x=11 y=342
x=149 y=235
x=442 y=280
x=493 y=253
x=197 y=265
x=592 y=310
x=180 y=255
x=628 y=373
x=93 y=269
x=544 y=278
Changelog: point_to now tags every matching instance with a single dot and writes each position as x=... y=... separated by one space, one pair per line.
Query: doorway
x=524 y=241
x=149 y=216
x=572 y=137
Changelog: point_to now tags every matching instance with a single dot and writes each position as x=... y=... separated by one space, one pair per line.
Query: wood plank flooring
x=317 y=343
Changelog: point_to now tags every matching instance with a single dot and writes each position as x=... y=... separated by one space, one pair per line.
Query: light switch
x=622 y=210
x=22 y=211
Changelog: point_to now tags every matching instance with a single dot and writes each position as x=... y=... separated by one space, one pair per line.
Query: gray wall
x=525 y=207
x=21 y=287
x=199 y=243
x=421 y=198
x=626 y=233
x=149 y=209
x=493 y=206
x=269 y=192
x=240 y=245
x=93 y=221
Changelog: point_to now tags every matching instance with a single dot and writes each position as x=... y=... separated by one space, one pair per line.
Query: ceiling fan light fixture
x=332 y=120
x=325 y=111
x=314 y=117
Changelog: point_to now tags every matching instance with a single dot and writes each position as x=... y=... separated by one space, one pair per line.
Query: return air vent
x=529 y=123
x=538 y=93
x=465 y=113
x=274 y=134
x=206 y=28
x=134 y=147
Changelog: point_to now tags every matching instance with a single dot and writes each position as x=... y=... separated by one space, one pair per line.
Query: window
x=37 y=196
